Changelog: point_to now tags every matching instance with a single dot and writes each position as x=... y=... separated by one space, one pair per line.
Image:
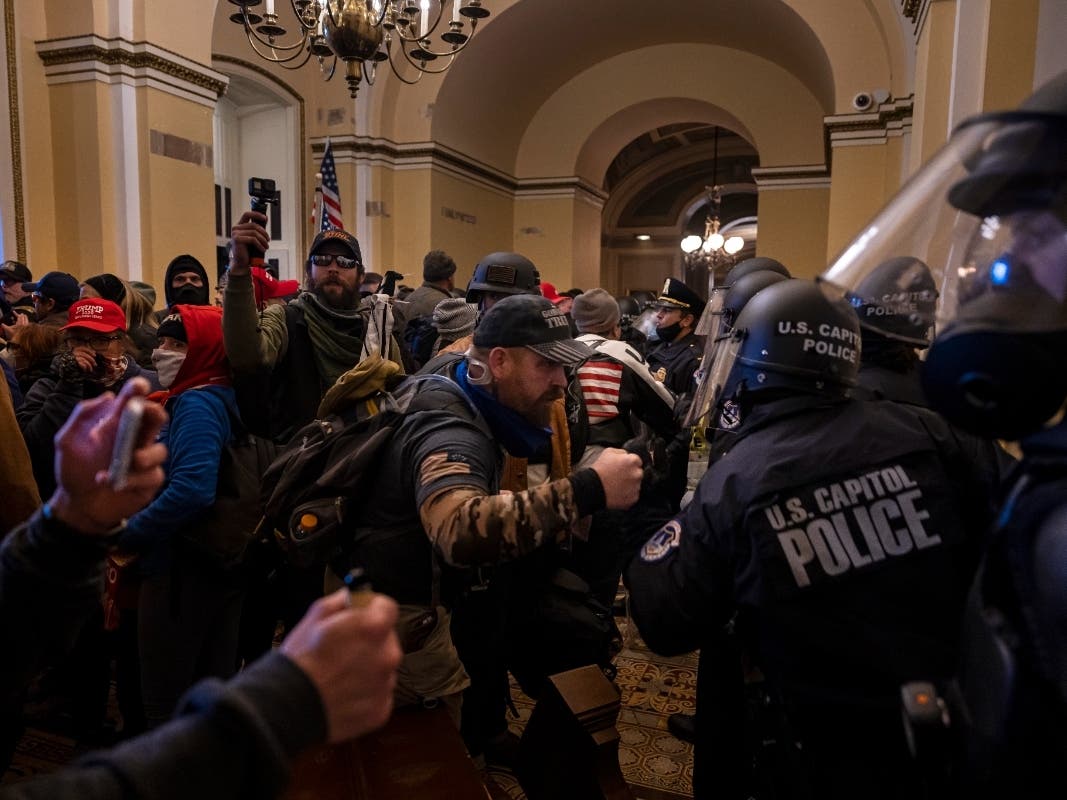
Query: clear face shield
x=988 y=217
x=977 y=215
x=719 y=358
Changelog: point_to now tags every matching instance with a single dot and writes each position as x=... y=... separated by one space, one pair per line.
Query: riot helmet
x=628 y=307
x=733 y=300
x=503 y=273
x=988 y=214
x=898 y=300
x=795 y=335
x=710 y=323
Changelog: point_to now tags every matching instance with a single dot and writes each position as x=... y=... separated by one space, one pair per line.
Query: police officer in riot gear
x=895 y=304
x=839 y=534
x=992 y=214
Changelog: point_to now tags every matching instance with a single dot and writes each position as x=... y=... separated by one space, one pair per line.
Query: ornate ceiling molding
x=916 y=11
x=430 y=155
x=93 y=58
x=873 y=127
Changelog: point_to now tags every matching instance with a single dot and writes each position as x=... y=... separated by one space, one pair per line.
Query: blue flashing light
x=999 y=272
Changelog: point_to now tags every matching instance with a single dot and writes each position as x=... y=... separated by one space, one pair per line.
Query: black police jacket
x=1013 y=677
x=675 y=362
x=846 y=533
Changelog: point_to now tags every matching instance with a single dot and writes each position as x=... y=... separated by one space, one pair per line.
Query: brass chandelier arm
x=352 y=31
x=253 y=37
x=282 y=62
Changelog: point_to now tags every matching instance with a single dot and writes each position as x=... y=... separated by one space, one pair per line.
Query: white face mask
x=167 y=364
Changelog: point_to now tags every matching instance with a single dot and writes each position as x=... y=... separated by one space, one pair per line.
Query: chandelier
x=713 y=251
x=410 y=34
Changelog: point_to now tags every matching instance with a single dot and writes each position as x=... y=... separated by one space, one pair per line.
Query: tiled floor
x=655 y=764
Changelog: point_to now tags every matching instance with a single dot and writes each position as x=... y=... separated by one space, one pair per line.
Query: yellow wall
x=933 y=82
x=177 y=199
x=550 y=246
x=1009 y=68
x=467 y=243
x=793 y=228
x=858 y=190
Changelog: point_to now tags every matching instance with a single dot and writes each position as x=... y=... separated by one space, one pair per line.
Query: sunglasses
x=325 y=259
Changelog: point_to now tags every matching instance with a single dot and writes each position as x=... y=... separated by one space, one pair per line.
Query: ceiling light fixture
x=713 y=250
x=363 y=33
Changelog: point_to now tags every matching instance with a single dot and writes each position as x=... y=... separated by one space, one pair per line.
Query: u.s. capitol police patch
x=730 y=417
x=662 y=542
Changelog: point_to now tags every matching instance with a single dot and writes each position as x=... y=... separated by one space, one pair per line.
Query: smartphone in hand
x=125 y=442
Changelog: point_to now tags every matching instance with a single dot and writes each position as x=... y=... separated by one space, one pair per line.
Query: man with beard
x=289 y=355
x=283 y=359
x=439 y=493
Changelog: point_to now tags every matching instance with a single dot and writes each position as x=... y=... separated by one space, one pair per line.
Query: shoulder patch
x=730 y=418
x=662 y=542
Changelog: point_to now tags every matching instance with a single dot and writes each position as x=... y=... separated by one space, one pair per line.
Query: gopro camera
x=263 y=193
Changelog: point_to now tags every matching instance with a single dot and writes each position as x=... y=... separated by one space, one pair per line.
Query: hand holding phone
x=125 y=442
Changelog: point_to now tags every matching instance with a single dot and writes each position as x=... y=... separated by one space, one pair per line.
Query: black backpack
x=305 y=490
x=419 y=337
x=225 y=535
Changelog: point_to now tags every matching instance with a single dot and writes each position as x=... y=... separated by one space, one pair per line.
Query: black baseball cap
x=58 y=286
x=16 y=270
x=525 y=320
x=337 y=235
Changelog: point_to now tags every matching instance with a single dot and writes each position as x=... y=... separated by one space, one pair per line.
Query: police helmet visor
x=986 y=213
x=711 y=320
x=646 y=322
x=711 y=381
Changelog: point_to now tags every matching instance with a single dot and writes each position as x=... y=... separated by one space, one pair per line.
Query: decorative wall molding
x=916 y=11
x=430 y=155
x=874 y=127
x=10 y=46
x=803 y=176
x=92 y=58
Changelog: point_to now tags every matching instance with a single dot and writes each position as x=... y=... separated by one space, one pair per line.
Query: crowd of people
x=846 y=527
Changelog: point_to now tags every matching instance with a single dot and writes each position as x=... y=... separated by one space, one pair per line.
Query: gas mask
x=988 y=216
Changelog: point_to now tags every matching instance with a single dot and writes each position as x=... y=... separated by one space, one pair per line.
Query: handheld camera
x=263 y=193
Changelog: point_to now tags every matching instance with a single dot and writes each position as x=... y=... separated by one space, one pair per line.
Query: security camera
x=862 y=101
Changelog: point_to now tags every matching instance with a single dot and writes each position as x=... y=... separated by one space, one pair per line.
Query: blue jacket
x=200 y=426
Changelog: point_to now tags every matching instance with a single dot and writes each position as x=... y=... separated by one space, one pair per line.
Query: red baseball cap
x=549 y=292
x=96 y=314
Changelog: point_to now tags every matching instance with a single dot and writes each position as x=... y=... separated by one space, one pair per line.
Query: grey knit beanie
x=454 y=318
x=595 y=311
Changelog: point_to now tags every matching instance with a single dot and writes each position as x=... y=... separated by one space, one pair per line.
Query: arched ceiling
x=532 y=48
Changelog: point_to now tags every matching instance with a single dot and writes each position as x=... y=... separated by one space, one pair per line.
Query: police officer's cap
x=677 y=295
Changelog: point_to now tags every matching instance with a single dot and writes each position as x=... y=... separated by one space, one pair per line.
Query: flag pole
x=316 y=206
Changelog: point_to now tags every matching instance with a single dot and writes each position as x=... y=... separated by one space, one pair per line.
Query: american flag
x=330 y=217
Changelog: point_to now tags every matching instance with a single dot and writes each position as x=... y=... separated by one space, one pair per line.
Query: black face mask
x=996 y=385
x=189 y=295
x=668 y=333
